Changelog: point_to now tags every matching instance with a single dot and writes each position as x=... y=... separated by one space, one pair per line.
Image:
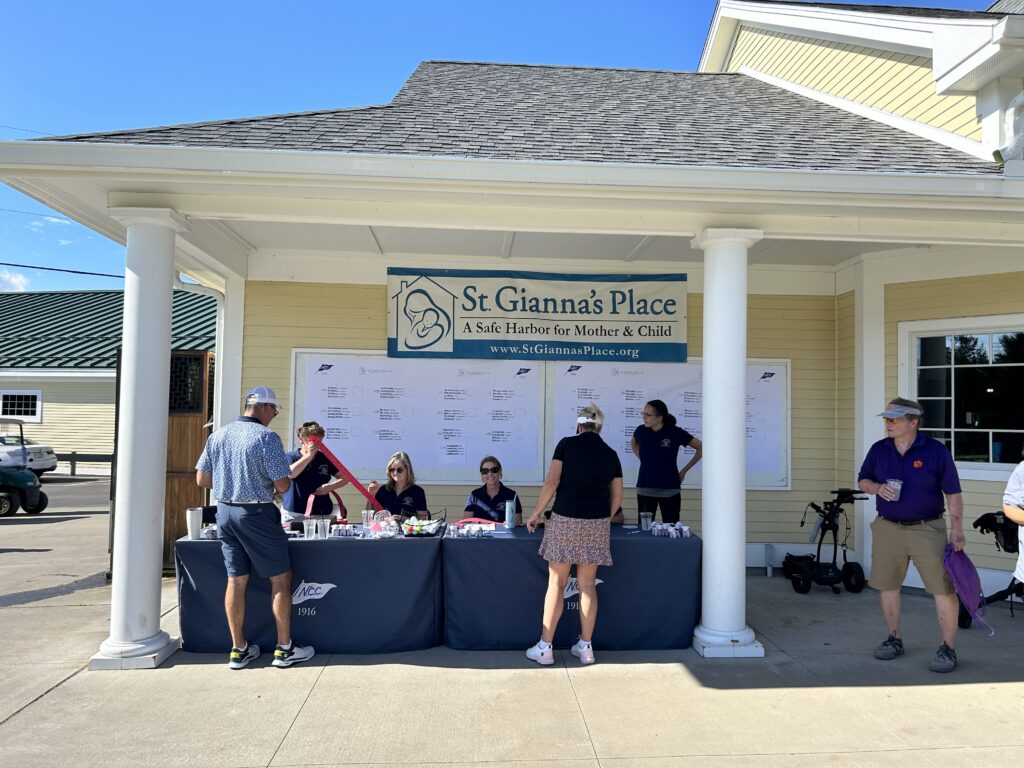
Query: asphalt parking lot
x=60 y=550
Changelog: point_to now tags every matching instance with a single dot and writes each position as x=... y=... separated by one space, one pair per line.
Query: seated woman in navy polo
x=488 y=501
x=400 y=495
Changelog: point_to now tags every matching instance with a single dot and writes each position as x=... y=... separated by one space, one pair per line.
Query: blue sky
x=73 y=67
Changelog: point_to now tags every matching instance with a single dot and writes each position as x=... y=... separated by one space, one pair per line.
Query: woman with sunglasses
x=656 y=443
x=488 y=501
x=587 y=476
x=400 y=495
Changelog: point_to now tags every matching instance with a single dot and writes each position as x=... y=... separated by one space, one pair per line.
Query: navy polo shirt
x=927 y=471
x=482 y=505
x=320 y=470
x=412 y=500
x=659 y=453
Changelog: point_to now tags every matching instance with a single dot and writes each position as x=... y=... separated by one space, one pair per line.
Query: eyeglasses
x=647 y=415
x=276 y=409
x=397 y=470
x=889 y=420
x=490 y=470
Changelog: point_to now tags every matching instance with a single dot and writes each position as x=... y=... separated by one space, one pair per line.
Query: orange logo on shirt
x=918 y=464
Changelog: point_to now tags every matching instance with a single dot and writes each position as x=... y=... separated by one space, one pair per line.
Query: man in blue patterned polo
x=244 y=463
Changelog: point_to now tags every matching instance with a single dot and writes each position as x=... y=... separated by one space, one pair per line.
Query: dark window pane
x=972 y=350
x=989 y=398
x=970 y=446
x=936 y=413
x=933 y=382
x=940 y=435
x=933 y=350
x=1008 y=348
x=1007 y=447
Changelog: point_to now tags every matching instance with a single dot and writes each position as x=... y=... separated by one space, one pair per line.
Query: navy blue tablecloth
x=349 y=596
x=648 y=600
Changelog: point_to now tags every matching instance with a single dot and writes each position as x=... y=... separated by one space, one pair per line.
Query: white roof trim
x=271 y=168
x=952 y=140
x=57 y=373
x=902 y=33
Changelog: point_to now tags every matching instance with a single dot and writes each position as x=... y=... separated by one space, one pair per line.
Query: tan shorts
x=893 y=546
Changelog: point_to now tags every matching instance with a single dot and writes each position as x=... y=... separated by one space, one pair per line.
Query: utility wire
x=26 y=130
x=41 y=215
x=55 y=269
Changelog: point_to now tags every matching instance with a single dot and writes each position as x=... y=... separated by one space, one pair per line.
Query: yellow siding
x=77 y=416
x=897 y=83
x=959 y=297
x=846 y=395
x=800 y=328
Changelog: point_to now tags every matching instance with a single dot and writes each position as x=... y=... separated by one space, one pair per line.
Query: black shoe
x=890 y=649
x=944 y=661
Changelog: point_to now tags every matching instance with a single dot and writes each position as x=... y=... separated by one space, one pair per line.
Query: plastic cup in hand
x=895 y=486
x=194 y=521
x=645 y=521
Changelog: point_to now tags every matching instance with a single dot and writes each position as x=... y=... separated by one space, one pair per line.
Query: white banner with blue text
x=507 y=315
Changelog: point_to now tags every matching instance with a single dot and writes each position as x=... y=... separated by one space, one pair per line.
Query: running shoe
x=240 y=657
x=285 y=657
x=545 y=656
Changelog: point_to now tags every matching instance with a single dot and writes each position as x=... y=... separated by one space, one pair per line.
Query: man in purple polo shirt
x=910 y=523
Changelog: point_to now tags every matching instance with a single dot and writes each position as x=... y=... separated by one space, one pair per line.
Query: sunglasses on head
x=490 y=470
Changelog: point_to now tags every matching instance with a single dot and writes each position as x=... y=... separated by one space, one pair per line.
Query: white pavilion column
x=723 y=631
x=136 y=640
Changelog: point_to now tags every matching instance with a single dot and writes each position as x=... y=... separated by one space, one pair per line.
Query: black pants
x=669 y=506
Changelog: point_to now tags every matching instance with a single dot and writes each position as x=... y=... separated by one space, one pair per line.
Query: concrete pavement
x=818 y=698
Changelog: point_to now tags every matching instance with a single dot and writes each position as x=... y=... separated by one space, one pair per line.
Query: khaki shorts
x=893 y=546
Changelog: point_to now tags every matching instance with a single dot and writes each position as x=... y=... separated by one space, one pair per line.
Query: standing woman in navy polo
x=656 y=443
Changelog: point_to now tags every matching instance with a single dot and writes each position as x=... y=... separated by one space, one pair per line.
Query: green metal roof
x=82 y=329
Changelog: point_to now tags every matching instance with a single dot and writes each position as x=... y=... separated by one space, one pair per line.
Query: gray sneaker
x=890 y=649
x=944 y=661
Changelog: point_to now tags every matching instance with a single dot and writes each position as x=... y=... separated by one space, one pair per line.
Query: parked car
x=39 y=458
x=19 y=487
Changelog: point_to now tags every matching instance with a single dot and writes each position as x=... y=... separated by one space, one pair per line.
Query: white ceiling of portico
x=527 y=246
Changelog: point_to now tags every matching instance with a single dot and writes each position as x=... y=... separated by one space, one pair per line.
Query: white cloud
x=55 y=220
x=12 y=281
x=65 y=242
x=35 y=226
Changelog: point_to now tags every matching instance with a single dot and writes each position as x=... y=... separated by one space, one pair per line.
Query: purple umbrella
x=967 y=584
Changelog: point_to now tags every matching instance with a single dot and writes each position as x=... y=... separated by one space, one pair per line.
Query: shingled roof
x=900 y=10
x=575 y=114
x=82 y=329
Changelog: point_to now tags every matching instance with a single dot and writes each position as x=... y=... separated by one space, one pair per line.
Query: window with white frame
x=24 y=404
x=968 y=374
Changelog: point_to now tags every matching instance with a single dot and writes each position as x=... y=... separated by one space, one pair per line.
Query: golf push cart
x=805 y=570
x=19 y=487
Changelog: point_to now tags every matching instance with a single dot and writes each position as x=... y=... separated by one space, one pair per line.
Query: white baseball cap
x=261 y=395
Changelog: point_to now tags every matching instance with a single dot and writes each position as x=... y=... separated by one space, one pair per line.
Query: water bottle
x=510 y=515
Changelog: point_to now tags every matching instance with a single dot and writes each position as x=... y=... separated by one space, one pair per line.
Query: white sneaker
x=286 y=657
x=585 y=654
x=240 y=657
x=545 y=657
